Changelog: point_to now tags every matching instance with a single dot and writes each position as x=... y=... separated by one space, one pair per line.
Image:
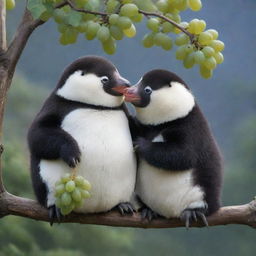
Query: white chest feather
x=107 y=159
x=166 y=192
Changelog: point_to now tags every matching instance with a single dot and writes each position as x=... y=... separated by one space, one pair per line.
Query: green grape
x=166 y=43
x=59 y=15
x=200 y=27
x=46 y=15
x=210 y=63
x=205 y=72
x=159 y=38
x=192 y=26
x=116 y=32
x=181 y=5
x=130 y=32
x=58 y=202
x=66 y=210
x=189 y=60
x=66 y=199
x=70 y=186
x=82 y=27
x=113 y=19
x=81 y=3
x=10 y=4
x=217 y=45
x=153 y=24
x=137 y=18
x=79 y=204
x=129 y=10
x=195 y=5
x=63 y=39
x=182 y=39
x=146 y=5
x=103 y=34
x=124 y=22
x=86 y=184
x=79 y=180
x=208 y=51
x=111 y=5
x=205 y=38
x=182 y=24
x=218 y=56
x=109 y=46
x=214 y=33
x=199 y=57
x=88 y=16
x=65 y=178
x=189 y=48
x=71 y=35
x=181 y=52
x=59 y=189
x=148 y=40
x=92 y=29
x=167 y=27
x=76 y=195
x=162 y=6
x=85 y=194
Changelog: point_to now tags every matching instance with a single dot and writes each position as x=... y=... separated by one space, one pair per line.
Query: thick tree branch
x=3 y=44
x=12 y=205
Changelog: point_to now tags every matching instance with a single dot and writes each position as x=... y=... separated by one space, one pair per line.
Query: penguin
x=83 y=124
x=180 y=165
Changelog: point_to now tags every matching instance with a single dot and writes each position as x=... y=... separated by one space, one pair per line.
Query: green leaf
x=74 y=18
x=36 y=8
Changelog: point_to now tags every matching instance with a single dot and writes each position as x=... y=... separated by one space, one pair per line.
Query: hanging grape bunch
x=111 y=20
x=70 y=192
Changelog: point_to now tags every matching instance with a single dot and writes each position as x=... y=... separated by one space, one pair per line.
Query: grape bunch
x=111 y=20
x=70 y=192
x=10 y=4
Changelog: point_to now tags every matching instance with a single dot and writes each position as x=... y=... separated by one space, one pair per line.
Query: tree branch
x=3 y=44
x=13 y=205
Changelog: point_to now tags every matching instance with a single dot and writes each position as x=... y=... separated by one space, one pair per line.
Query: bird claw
x=54 y=214
x=147 y=213
x=193 y=214
x=126 y=208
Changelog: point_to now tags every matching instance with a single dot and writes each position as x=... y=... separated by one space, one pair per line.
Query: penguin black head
x=92 y=80
x=160 y=96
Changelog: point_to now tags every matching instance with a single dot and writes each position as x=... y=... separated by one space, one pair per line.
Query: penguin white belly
x=107 y=158
x=167 y=193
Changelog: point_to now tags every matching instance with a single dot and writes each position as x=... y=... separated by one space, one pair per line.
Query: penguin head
x=92 y=80
x=160 y=96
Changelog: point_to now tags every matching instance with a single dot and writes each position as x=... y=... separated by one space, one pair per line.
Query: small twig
x=191 y=36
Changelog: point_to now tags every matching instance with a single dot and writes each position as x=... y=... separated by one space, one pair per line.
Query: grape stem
x=191 y=36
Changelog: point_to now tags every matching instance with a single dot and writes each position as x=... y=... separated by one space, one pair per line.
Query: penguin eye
x=82 y=73
x=104 y=79
x=148 y=90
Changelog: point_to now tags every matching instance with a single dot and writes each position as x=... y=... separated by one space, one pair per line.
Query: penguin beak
x=131 y=95
x=121 y=84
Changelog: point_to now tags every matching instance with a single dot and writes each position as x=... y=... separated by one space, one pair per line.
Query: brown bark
x=13 y=205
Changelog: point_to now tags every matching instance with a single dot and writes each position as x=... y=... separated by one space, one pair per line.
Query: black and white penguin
x=180 y=166
x=83 y=124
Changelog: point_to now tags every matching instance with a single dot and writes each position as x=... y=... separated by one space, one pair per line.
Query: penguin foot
x=189 y=215
x=125 y=208
x=147 y=213
x=54 y=214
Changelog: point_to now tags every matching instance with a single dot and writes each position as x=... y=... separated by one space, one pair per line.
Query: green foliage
x=111 y=20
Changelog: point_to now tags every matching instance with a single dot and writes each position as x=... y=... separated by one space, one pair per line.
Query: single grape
x=103 y=34
x=85 y=194
x=116 y=32
x=195 y=5
x=218 y=56
x=205 y=72
x=182 y=39
x=109 y=46
x=79 y=180
x=130 y=32
x=129 y=10
x=189 y=48
x=162 y=5
x=159 y=38
x=59 y=15
x=210 y=63
x=192 y=26
x=79 y=204
x=81 y=3
x=92 y=29
x=66 y=210
x=76 y=195
x=137 y=18
x=86 y=184
x=10 y=4
x=113 y=19
x=124 y=22
x=214 y=33
x=167 y=27
x=70 y=186
x=181 y=5
x=205 y=38
x=208 y=51
x=65 y=178
x=166 y=43
x=148 y=40
x=66 y=199
x=200 y=27
x=111 y=6
x=199 y=57
x=181 y=52
x=82 y=27
x=189 y=60
x=217 y=45
x=153 y=24
x=59 y=190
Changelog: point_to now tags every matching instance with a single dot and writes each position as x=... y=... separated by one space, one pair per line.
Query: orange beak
x=131 y=95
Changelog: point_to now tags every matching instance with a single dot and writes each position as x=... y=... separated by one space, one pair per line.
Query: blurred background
x=228 y=101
